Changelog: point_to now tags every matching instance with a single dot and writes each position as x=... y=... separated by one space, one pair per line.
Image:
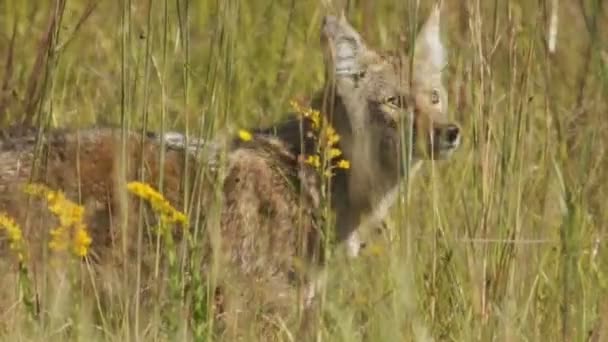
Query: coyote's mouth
x=446 y=149
x=446 y=141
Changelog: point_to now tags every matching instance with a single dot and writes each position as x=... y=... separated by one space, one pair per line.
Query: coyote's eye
x=394 y=101
x=434 y=96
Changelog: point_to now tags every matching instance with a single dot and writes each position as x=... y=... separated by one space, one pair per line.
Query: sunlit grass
x=504 y=241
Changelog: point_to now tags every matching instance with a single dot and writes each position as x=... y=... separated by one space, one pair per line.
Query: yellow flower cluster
x=13 y=232
x=168 y=214
x=245 y=135
x=314 y=160
x=72 y=230
x=313 y=115
x=327 y=140
x=343 y=164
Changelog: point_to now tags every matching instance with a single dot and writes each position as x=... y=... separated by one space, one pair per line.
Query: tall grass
x=505 y=242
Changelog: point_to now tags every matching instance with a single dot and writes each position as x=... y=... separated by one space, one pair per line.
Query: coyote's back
x=90 y=168
x=261 y=230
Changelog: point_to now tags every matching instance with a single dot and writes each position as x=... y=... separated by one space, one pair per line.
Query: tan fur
x=270 y=224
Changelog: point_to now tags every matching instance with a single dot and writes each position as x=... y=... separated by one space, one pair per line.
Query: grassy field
x=505 y=242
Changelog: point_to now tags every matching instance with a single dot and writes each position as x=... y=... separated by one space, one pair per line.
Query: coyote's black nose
x=452 y=134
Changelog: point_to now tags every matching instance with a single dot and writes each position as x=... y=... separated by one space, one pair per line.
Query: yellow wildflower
x=13 y=232
x=71 y=227
x=327 y=140
x=313 y=115
x=245 y=135
x=82 y=240
x=343 y=164
x=334 y=152
x=295 y=105
x=297 y=108
x=168 y=214
x=314 y=160
x=59 y=238
x=331 y=136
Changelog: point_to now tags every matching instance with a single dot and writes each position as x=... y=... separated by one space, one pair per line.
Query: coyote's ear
x=429 y=53
x=343 y=46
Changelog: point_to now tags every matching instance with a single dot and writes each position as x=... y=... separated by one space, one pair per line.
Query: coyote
x=270 y=222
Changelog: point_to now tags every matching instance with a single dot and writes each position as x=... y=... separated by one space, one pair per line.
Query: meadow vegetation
x=504 y=242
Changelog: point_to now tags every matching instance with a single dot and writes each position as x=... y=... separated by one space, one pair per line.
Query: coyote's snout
x=269 y=227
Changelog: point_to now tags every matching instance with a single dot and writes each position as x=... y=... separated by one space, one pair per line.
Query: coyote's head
x=373 y=92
